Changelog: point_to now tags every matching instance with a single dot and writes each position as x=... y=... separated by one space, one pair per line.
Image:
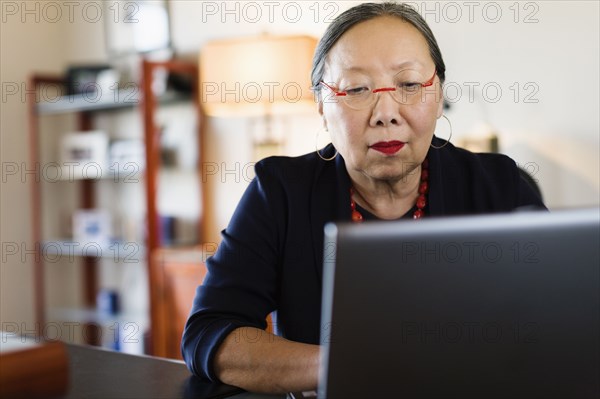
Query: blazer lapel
x=330 y=202
x=436 y=192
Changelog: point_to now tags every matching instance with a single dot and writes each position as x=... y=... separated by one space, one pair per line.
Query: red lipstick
x=388 y=147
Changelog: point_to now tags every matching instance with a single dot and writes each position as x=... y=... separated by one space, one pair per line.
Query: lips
x=388 y=147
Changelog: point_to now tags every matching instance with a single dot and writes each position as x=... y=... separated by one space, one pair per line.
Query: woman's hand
x=258 y=361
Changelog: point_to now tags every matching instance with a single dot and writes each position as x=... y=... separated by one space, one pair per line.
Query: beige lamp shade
x=254 y=76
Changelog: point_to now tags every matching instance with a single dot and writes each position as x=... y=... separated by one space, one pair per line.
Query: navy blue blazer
x=270 y=257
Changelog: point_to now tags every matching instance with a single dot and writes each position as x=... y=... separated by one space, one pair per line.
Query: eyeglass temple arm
x=337 y=93
x=430 y=81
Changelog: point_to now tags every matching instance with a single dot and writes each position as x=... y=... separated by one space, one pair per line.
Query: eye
x=357 y=91
x=409 y=87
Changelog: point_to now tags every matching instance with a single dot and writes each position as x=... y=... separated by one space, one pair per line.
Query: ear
x=440 y=110
x=322 y=115
x=320 y=105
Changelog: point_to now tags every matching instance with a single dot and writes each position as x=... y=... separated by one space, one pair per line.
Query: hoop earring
x=448 y=139
x=319 y=153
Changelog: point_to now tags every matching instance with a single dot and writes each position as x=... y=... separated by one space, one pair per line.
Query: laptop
x=495 y=306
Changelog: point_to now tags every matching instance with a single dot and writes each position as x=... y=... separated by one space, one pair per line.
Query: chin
x=390 y=175
x=395 y=171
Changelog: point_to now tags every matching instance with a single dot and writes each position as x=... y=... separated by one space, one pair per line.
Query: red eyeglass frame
x=344 y=93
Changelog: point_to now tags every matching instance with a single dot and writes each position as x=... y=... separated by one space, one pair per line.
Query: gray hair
x=365 y=12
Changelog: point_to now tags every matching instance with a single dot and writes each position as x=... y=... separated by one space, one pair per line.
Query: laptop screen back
x=483 y=306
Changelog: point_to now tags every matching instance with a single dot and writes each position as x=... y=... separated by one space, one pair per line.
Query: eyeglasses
x=406 y=91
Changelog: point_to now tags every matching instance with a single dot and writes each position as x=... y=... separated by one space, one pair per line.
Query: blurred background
x=172 y=102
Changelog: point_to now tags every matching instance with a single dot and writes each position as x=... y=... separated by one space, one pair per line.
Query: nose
x=386 y=110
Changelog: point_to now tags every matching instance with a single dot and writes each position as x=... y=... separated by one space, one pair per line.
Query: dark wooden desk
x=95 y=373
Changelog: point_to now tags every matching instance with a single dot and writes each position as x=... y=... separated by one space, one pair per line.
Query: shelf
x=91 y=315
x=127 y=252
x=106 y=101
x=129 y=172
x=123 y=332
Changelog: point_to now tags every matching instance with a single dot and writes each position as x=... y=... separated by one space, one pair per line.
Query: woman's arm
x=258 y=361
x=224 y=338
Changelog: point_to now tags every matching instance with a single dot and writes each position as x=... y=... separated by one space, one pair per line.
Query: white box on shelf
x=127 y=155
x=92 y=226
x=84 y=154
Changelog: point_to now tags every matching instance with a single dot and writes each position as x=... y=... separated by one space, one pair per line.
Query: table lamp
x=259 y=76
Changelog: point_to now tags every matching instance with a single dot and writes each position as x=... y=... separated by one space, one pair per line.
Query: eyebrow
x=396 y=66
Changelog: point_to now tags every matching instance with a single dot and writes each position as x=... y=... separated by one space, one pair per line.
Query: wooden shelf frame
x=158 y=321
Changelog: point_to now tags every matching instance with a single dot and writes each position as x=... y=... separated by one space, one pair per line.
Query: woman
x=378 y=73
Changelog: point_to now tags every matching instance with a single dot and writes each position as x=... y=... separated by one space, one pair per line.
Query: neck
x=387 y=199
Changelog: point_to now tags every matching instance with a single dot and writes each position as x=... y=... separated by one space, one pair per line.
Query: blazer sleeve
x=529 y=193
x=240 y=288
x=510 y=184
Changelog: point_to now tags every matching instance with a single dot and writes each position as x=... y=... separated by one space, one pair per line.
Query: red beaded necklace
x=421 y=200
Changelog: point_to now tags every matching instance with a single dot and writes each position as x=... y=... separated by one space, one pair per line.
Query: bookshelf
x=90 y=193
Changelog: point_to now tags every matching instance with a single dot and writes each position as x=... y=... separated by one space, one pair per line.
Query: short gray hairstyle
x=365 y=12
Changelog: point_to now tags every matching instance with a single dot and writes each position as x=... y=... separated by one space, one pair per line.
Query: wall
x=547 y=54
x=24 y=47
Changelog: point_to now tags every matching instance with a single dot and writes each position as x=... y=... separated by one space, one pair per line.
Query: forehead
x=377 y=45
